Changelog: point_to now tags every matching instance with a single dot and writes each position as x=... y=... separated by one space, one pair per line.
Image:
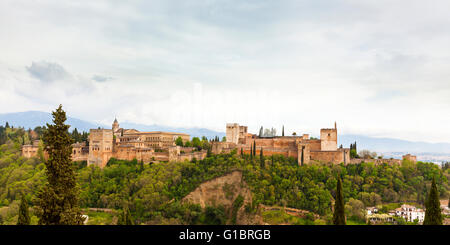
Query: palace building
x=301 y=147
x=127 y=144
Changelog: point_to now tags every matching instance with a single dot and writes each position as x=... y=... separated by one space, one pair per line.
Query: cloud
x=100 y=78
x=47 y=72
x=376 y=67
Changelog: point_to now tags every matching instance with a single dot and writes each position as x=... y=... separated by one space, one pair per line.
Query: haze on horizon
x=378 y=68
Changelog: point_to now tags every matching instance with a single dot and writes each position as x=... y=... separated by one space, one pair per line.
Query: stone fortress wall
x=303 y=148
x=127 y=144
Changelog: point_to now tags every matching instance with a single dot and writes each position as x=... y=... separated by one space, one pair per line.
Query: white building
x=410 y=213
x=86 y=219
x=371 y=210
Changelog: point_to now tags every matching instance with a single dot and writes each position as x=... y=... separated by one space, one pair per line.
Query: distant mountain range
x=392 y=145
x=32 y=119
x=387 y=146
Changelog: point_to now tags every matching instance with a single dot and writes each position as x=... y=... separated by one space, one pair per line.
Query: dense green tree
x=39 y=131
x=208 y=152
x=196 y=142
x=76 y=136
x=224 y=139
x=125 y=218
x=254 y=148
x=179 y=141
x=433 y=215
x=261 y=158
x=57 y=202
x=339 y=208
x=282 y=183
x=282 y=131
x=24 y=215
x=141 y=166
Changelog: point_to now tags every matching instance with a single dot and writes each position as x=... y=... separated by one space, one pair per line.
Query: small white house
x=371 y=210
x=86 y=219
x=410 y=213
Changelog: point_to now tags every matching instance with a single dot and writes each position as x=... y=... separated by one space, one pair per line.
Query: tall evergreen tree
x=141 y=166
x=208 y=152
x=261 y=158
x=282 y=131
x=339 y=208
x=24 y=215
x=254 y=148
x=125 y=218
x=433 y=214
x=251 y=151
x=57 y=202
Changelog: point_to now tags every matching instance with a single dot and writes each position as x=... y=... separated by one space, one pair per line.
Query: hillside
x=229 y=191
x=158 y=193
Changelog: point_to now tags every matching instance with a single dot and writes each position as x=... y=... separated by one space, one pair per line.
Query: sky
x=377 y=68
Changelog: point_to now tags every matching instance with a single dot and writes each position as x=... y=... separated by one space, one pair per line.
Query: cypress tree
x=254 y=148
x=141 y=166
x=282 y=131
x=125 y=218
x=261 y=158
x=251 y=151
x=24 y=215
x=208 y=152
x=57 y=202
x=433 y=214
x=339 y=211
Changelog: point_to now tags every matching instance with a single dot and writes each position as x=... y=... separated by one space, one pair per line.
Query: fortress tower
x=100 y=146
x=235 y=133
x=328 y=139
x=115 y=125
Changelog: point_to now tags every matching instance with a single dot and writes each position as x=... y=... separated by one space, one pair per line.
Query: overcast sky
x=378 y=68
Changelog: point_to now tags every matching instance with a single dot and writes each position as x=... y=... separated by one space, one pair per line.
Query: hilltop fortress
x=129 y=144
x=301 y=147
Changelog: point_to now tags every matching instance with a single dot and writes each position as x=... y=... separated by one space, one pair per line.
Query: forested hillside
x=153 y=193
